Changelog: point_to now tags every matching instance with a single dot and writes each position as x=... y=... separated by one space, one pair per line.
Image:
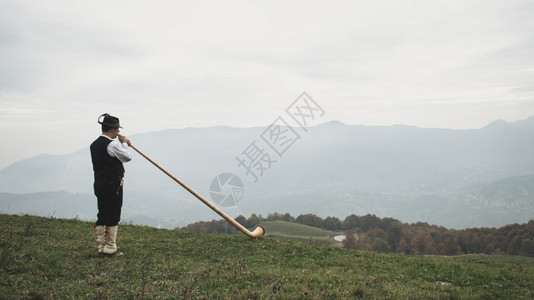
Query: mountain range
x=453 y=178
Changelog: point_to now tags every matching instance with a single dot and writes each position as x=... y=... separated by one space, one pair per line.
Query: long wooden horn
x=259 y=231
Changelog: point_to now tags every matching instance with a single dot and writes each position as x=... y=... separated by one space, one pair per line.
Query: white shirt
x=119 y=150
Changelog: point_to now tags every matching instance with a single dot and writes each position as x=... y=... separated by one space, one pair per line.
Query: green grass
x=44 y=258
x=520 y=261
x=294 y=231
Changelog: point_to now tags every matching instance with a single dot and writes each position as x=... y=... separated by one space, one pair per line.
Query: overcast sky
x=169 y=64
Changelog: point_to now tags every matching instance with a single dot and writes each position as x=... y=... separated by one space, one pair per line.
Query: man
x=108 y=153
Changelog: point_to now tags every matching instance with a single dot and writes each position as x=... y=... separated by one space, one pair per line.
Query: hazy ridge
x=453 y=178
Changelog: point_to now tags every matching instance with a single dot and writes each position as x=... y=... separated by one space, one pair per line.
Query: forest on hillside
x=391 y=235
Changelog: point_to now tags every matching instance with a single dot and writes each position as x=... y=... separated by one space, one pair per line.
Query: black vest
x=105 y=166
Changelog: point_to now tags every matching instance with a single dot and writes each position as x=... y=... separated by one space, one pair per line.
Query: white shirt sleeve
x=120 y=151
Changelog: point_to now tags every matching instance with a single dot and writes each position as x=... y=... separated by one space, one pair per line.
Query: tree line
x=370 y=232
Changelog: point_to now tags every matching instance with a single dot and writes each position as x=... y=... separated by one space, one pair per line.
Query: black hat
x=109 y=121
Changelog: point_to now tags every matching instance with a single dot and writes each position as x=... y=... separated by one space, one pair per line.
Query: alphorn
x=259 y=231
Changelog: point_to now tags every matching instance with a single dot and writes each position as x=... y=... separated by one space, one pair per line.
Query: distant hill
x=453 y=178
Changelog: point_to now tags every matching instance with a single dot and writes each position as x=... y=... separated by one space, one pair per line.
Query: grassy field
x=43 y=258
x=294 y=231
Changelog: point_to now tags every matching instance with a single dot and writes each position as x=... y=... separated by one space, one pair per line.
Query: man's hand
x=123 y=139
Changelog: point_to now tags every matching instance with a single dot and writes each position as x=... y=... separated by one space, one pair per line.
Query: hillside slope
x=295 y=231
x=55 y=258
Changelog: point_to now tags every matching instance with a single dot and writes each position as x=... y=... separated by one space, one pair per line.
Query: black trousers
x=109 y=202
